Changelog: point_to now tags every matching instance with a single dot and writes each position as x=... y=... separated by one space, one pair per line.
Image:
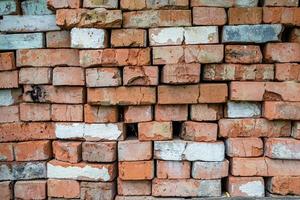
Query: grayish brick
x=35 y=7
x=22 y=41
x=8 y=7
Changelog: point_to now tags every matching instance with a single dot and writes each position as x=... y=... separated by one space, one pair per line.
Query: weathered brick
x=33 y=150
x=281 y=15
x=134 y=114
x=243 y=54
x=122 y=95
x=209 y=16
x=35 y=112
x=171 y=112
x=136 y=170
x=35 y=7
x=140 y=75
x=149 y=4
x=67 y=151
x=99 y=190
x=88 y=38
x=206 y=112
x=225 y=3
x=9 y=114
x=81 y=171
x=287 y=72
x=9 y=79
x=173 y=169
x=47 y=57
x=295 y=35
x=58 y=39
x=156 y=18
x=282 y=148
x=33 y=75
x=56 y=4
x=6 y=187
x=253 y=128
x=199 y=131
x=284 y=185
x=129 y=188
x=281 y=110
x=10 y=96
x=282 y=52
x=30 y=190
x=296 y=130
x=245 y=15
x=103 y=77
x=8 y=7
x=100 y=114
x=7 y=61
x=64 y=112
x=99 y=151
x=244 y=147
x=246 y=186
x=155 y=131
x=6 y=152
x=111 y=4
x=63 y=188
x=275 y=3
x=128 y=38
x=142 y=150
x=68 y=76
x=242 y=109
x=210 y=170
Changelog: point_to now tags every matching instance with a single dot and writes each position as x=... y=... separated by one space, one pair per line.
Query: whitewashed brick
x=225 y=3
x=35 y=7
x=282 y=148
x=201 y=35
x=88 y=38
x=21 y=41
x=100 y=4
x=103 y=77
x=246 y=186
x=9 y=96
x=28 y=23
x=210 y=170
x=8 y=7
x=243 y=109
x=166 y=36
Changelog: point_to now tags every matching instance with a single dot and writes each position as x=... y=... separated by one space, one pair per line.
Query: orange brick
x=61 y=112
x=209 y=16
x=99 y=151
x=7 y=61
x=136 y=170
x=155 y=131
x=244 y=147
x=6 y=190
x=210 y=170
x=6 y=153
x=35 y=75
x=142 y=150
x=9 y=114
x=63 y=188
x=281 y=110
x=245 y=15
x=199 y=131
x=243 y=54
x=173 y=169
x=171 y=112
x=128 y=38
x=287 y=72
x=68 y=76
x=56 y=4
x=134 y=114
x=282 y=52
x=35 y=112
x=281 y=15
x=240 y=186
x=58 y=39
x=9 y=79
x=284 y=185
x=33 y=150
x=127 y=188
x=213 y=93
x=67 y=151
x=140 y=75
x=206 y=112
x=282 y=148
x=103 y=77
x=142 y=5
x=295 y=35
x=100 y=114
x=181 y=73
x=30 y=190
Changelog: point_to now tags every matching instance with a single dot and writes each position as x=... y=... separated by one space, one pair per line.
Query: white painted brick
x=187 y=150
x=210 y=170
x=85 y=38
x=9 y=96
x=243 y=109
x=21 y=41
x=246 y=3
x=28 y=23
x=201 y=35
x=8 y=7
x=166 y=36
x=246 y=186
x=282 y=148
x=35 y=7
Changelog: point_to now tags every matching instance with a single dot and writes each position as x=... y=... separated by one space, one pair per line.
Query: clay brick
x=171 y=112
x=35 y=112
x=284 y=185
x=281 y=15
x=68 y=76
x=253 y=128
x=296 y=130
x=99 y=151
x=67 y=151
x=136 y=170
x=134 y=114
x=295 y=35
x=58 y=39
x=100 y=114
x=199 y=131
x=103 y=77
x=47 y=57
x=97 y=190
x=134 y=187
x=134 y=150
x=213 y=93
x=88 y=38
x=282 y=148
x=35 y=7
x=9 y=114
x=57 y=4
x=210 y=170
x=33 y=150
x=26 y=131
x=9 y=7
x=10 y=97
x=6 y=190
x=206 y=112
x=287 y=72
x=173 y=169
x=244 y=147
x=128 y=38
x=30 y=190
x=181 y=73
x=225 y=3
x=242 y=109
x=7 y=61
x=9 y=79
x=155 y=131
x=141 y=5
x=275 y=3
x=140 y=75
x=63 y=112
x=6 y=152
x=122 y=95
x=243 y=54
x=35 y=76
x=245 y=15
x=63 y=188
x=281 y=110
x=168 y=55
x=246 y=186
x=282 y=52
x=209 y=16
x=112 y=4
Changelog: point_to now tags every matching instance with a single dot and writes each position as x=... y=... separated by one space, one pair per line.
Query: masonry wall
x=146 y=99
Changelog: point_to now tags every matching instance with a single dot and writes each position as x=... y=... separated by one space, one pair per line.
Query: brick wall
x=145 y=99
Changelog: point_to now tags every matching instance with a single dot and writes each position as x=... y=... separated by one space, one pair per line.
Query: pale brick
x=210 y=170
x=88 y=38
x=8 y=7
x=134 y=187
x=6 y=188
x=63 y=112
x=284 y=185
x=296 y=130
x=99 y=151
x=9 y=114
x=103 y=77
x=281 y=110
x=140 y=75
x=287 y=72
x=6 y=152
x=246 y=186
x=155 y=131
x=133 y=150
x=57 y=4
x=35 y=76
x=244 y=147
x=111 y=4
x=10 y=96
x=98 y=190
x=225 y=3
x=275 y=3
x=181 y=73
x=282 y=148
x=173 y=169
x=58 y=39
x=30 y=190
x=21 y=41
x=242 y=109
x=35 y=112
x=206 y=112
x=35 y=7
x=68 y=76
x=277 y=52
x=209 y=16
x=134 y=114
x=9 y=79
x=150 y=4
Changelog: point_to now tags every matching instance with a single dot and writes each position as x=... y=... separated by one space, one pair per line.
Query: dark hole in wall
x=176 y=129
x=132 y=130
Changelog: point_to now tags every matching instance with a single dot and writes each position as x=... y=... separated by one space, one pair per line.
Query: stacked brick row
x=133 y=100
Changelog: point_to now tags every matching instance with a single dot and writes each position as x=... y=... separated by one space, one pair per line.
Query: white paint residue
x=204 y=151
x=88 y=38
x=6 y=98
x=69 y=130
x=243 y=109
x=166 y=150
x=102 y=131
x=201 y=35
x=166 y=36
x=282 y=151
x=253 y=189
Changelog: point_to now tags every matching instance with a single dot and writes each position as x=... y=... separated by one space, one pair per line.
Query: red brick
x=134 y=114
x=35 y=112
x=128 y=38
x=47 y=57
x=7 y=61
x=253 y=128
x=136 y=170
x=141 y=5
x=241 y=186
x=68 y=76
x=276 y=3
x=99 y=151
x=103 y=77
x=33 y=150
x=284 y=185
x=296 y=130
x=181 y=73
x=281 y=110
x=6 y=190
x=9 y=79
x=295 y=35
x=129 y=188
x=115 y=57
x=281 y=15
x=171 y=112
x=64 y=112
x=155 y=131
x=67 y=151
x=63 y=188
x=35 y=76
x=58 y=39
x=134 y=150
x=173 y=169
x=282 y=148
x=199 y=131
x=210 y=170
x=245 y=15
x=9 y=114
x=90 y=190
x=6 y=152
x=122 y=96
x=243 y=54
x=244 y=147
x=282 y=52
x=26 y=131
x=56 y=4
x=140 y=75
x=287 y=72
x=30 y=190
x=100 y=114
x=206 y=112
x=213 y=93
x=209 y=16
